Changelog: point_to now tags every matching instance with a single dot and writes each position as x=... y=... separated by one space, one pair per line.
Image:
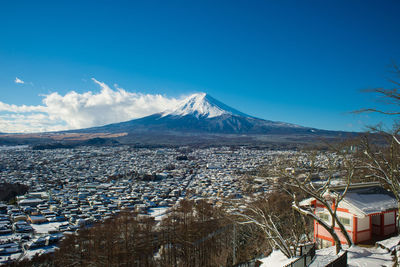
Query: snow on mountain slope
x=202 y=105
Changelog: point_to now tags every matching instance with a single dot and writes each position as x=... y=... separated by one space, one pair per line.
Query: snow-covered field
x=44 y=228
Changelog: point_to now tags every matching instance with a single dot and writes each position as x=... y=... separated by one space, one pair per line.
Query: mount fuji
x=201 y=113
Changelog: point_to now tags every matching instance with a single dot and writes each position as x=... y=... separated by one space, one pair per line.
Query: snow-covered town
x=69 y=188
x=74 y=188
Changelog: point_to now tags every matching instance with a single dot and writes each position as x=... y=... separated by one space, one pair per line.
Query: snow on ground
x=390 y=243
x=44 y=228
x=368 y=257
x=276 y=258
x=356 y=257
x=158 y=213
x=29 y=254
x=324 y=257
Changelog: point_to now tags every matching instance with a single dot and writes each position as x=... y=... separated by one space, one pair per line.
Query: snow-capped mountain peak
x=202 y=105
x=201 y=113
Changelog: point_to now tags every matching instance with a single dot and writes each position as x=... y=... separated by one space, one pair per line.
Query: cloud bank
x=74 y=110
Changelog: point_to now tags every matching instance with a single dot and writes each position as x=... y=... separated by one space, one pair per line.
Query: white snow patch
x=197 y=105
x=356 y=257
x=44 y=228
x=390 y=243
x=371 y=203
x=276 y=259
x=158 y=213
x=202 y=105
x=368 y=257
x=324 y=257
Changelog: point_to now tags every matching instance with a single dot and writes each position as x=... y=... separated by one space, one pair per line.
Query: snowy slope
x=204 y=106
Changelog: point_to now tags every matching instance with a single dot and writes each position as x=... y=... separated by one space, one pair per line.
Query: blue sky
x=302 y=62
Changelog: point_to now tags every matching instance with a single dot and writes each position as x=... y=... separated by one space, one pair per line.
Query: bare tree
x=321 y=193
x=390 y=97
x=268 y=224
x=272 y=214
x=380 y=155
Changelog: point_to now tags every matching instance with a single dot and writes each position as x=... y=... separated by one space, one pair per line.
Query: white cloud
x=27 y=123
x=18 y=80
x=81 y=110
x=22 y=108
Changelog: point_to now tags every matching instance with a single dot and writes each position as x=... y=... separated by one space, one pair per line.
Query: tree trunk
x=331 y=230
x=344 y=232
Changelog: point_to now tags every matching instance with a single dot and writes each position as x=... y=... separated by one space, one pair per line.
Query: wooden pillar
x=370 y=226
x=315 y=230
x=316 y=226
x=354 y=229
